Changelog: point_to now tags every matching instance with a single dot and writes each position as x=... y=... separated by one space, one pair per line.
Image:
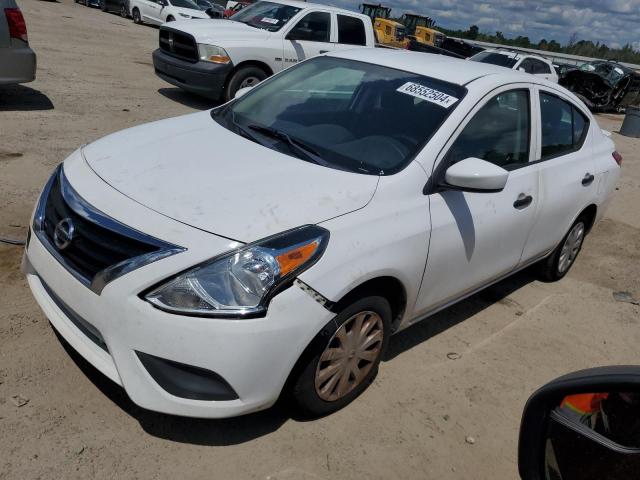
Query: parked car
x=157 y=12
x=231 y=11
x=208 y=262
x=213 y=9
x=217 y=58
x=605 y=86
x=17 y=60
x=89 y=3
x=532 y=64
x=117 y=6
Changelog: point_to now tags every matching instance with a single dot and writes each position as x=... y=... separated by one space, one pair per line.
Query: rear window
x=351 y=31
x=494 y=59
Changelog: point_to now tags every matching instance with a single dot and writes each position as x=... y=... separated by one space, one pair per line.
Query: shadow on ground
x=188 y=99
x=457 y=313
x=16 y=98
x=233 y=431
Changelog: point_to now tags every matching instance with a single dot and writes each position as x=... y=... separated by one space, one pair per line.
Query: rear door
x=308 y=37
x=479 y=237
x=567 y=169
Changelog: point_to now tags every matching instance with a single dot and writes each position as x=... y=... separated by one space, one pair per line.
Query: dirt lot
x=95 y=77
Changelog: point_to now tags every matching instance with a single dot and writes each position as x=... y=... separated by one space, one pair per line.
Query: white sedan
x=157 y=12
x=210 y=262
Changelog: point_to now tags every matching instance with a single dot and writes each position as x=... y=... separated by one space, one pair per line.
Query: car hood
x=220 y=30
x=192 y=12
x=199 y=173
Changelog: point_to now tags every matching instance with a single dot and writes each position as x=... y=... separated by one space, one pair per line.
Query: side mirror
x=242 y=91
x=476 y=175
x=585 y=425
x=300 y=33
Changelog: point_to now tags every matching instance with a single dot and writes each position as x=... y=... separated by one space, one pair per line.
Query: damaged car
x=605 y=86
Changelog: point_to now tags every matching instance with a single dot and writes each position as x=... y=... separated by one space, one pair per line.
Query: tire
x=318 y=385
x=170 y=19
x=123 y=11
x=135 y=14
x=243 y=77
x=103 y=5
x=560 y=261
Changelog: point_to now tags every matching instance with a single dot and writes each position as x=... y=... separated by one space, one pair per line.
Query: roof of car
x=303 y=4
x=440 y=67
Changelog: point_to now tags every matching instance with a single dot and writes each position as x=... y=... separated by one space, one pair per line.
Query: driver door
x=310 y=36
x=478 y=237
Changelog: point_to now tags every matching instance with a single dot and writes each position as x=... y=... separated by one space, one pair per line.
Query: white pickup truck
x=216 y=58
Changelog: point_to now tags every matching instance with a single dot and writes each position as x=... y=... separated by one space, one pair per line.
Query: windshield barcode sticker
x=428 y=94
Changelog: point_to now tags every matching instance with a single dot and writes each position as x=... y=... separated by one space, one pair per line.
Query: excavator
x=388 y=32
x=421 y=29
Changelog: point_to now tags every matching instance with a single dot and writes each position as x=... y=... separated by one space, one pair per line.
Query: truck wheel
x=342 y=360
x=135 y=13
x=556 y=265
x=243 y=77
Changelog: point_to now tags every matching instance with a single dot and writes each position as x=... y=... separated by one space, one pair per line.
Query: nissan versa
x=211 y=262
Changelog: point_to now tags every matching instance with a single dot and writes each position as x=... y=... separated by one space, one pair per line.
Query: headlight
x=211 y=53
x=184 y=15
x=241 y=283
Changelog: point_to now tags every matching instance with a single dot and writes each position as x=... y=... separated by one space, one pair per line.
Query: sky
x=614 y=22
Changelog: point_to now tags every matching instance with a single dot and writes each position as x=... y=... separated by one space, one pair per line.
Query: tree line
x=585 y=48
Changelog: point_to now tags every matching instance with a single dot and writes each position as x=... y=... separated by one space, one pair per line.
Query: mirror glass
x=594 y=436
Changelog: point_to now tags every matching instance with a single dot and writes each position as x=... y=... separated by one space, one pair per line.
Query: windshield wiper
x=293 y=143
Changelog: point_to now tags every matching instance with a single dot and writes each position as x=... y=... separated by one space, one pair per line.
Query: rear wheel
x=170 y=19
x=556 y=265
x=103 y=5
x=343 y=359
x=123 y=11
x=135 y=13
x=248 y=76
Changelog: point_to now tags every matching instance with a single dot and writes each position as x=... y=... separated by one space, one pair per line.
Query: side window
x=540 y=67
x=527 y=65
x=314 y=27
x=498 y=133
x=351 y=31
x=564 y=127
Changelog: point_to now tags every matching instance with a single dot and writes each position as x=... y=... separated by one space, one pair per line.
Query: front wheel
x=135 y=13
x=243 y=77
x=170 y=19
x=342 y=360
x=556 y=265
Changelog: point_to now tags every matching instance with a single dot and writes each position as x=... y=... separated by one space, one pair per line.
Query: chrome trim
x=90 y=213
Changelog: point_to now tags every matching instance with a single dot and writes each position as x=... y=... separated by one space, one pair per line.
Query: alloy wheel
x=571 y=247
x=349 y=356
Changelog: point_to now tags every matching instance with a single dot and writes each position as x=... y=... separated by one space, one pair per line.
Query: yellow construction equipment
x=421 y=29
x=388 y=32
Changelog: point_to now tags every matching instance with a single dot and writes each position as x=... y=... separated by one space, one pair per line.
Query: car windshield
x=494 y=59
x=344 y=114
x=266 y=15
x=185 y=4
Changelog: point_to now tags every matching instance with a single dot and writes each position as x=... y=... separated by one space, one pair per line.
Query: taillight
x=618 y=158
x=17 y=25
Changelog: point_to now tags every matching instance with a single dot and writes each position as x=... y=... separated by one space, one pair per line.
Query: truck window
x=315 y=27
x=351 y=30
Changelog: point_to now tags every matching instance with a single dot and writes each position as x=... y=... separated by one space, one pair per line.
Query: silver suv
x=17 y=60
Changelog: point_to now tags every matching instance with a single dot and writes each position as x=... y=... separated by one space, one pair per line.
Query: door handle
x=523 y=201
x=587 y=179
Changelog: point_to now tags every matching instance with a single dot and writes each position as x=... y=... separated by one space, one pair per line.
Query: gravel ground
x=465 y=372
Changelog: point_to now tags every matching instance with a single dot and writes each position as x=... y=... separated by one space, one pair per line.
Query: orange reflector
x=292 y=259
x=219 y=59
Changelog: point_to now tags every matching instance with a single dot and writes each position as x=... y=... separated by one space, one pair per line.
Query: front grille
x=93 y=247
x=179 y=44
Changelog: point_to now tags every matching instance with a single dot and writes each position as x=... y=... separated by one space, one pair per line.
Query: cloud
x=611 y=21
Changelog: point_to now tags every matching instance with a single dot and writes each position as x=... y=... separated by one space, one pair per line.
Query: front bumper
x=203 y=78
x=17 y=64
x=253 y=356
